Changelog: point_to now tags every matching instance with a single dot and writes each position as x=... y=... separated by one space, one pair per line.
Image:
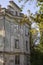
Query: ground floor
x=14 y=59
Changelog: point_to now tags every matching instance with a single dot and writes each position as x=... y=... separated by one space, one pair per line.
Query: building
x=14 y=38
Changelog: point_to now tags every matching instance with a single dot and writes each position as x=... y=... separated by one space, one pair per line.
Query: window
x=16 y=13
x=27 y=60
x=17 y=60
x=16 y=43
x=26 y=45
x=26 y=31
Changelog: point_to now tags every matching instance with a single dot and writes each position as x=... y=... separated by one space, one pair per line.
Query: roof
x=15 y=5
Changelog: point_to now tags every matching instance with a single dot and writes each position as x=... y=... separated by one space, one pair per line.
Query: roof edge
x=15 y=5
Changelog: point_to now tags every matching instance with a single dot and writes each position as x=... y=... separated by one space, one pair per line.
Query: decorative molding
x=13 y=53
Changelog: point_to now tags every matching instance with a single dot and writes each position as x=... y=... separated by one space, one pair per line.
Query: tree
x=37 y=51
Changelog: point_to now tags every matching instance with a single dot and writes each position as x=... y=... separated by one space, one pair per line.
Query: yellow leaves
x=33 y=31
x=41 y=25
x=38 y=18
x=25 y=20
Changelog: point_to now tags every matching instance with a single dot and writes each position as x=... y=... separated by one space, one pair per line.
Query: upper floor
x=13 y=36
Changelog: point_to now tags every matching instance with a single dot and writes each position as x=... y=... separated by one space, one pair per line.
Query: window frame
x=17 y=59
x=16 y=13
x=17 y=43
x=27 y=60
x=26 y=45
x=26 y=33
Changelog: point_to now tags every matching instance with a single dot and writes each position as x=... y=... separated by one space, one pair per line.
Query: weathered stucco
x=10 y=30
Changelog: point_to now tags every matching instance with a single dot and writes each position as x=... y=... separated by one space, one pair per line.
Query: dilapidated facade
x=14 y=38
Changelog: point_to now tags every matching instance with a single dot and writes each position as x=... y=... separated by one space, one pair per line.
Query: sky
x=29 y=6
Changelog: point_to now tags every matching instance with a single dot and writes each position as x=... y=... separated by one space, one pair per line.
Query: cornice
x=14 y=53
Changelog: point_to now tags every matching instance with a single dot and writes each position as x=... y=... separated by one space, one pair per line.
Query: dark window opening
x=16 y=43
x=17 y=59
x=27 y=45
x=16 y=13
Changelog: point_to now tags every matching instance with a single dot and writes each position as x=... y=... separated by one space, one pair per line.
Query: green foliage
x=37 y=55
x=36 y=51
x=40 y=0
x=29 y=0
